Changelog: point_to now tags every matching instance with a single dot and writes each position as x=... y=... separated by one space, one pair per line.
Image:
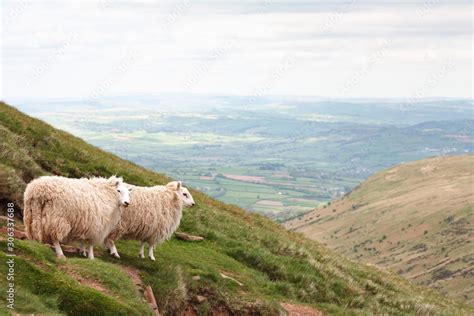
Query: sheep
x=153 y=217
x=59 y=210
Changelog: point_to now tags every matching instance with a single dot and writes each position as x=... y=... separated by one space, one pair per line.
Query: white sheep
x=59 y=210
x=153 y=216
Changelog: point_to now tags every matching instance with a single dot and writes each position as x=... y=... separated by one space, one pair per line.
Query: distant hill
x=247 y=264
x=416 y=219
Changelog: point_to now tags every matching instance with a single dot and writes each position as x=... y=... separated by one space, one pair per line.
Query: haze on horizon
x=340 y=49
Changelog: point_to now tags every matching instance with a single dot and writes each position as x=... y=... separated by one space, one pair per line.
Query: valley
x=280 y=157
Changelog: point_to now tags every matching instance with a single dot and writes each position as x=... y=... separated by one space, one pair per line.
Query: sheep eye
x=118 y=191
x=185 y=194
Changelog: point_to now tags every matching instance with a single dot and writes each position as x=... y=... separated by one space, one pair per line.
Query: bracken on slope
x=416 y=219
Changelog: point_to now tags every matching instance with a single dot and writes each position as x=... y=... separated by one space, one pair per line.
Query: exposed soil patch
x=96 y=285
x=192 y=310
x=300 y=310
x=134 y=274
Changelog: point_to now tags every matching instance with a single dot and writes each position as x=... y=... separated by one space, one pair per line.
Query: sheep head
x=182 y=192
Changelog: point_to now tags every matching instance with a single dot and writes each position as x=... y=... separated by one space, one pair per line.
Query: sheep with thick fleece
x=58 y=209
x=153 y=216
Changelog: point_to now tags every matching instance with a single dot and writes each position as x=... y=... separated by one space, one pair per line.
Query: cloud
x=74 y=45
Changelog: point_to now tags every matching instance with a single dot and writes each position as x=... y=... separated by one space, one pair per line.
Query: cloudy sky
x=341 y=49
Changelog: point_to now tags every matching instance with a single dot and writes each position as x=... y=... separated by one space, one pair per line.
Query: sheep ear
x=179 y=185
x=174 y=185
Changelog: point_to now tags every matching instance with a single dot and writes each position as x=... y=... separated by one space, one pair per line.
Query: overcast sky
x=342 y=49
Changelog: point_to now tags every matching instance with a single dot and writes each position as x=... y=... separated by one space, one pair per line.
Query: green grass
x=273 y=264
x=111 y=277
x=39 y=278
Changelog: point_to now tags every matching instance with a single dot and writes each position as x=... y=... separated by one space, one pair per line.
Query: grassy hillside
x=416 y=219
x=268 y=265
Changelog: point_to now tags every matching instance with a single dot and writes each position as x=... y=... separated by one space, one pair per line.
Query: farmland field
x=280 y=156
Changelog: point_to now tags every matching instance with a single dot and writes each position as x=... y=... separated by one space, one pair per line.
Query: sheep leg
x=113 y=250
x=59 y=251
x=62 y=229
x=108 y=244
x=83 y=250
x=150 y=252
x=91 y=252
x=141 y=254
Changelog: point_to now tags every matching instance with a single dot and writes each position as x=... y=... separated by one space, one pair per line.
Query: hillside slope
x=264 y=265
x=416 y=219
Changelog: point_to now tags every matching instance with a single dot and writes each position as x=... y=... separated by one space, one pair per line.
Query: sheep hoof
x=152 y=258
x=141 y=256
x=61 y=257
x=84 y=253
x=116 y=255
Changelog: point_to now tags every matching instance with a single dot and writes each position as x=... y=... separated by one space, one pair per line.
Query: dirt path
x=146 y=291
x=89 y=282
x=134 y=274
x=300 y=310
